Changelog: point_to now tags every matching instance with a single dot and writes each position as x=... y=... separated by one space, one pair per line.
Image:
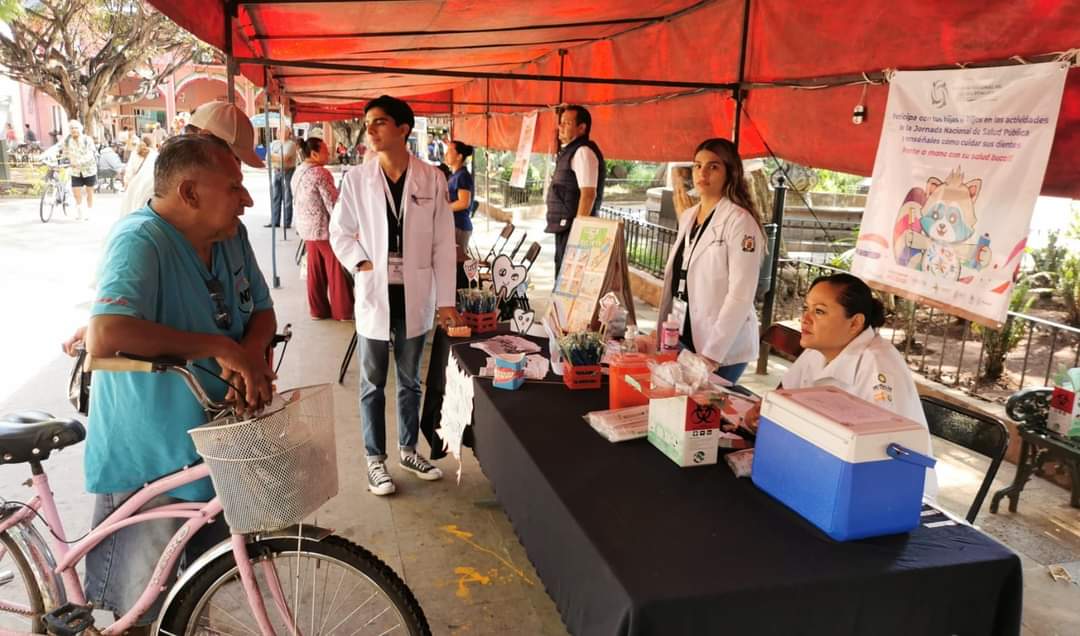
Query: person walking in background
x=29 y=136
x=139 y=176
x=160 y=134
x=9 y=135
x=283 y=156
x=342 y=154
x=577 y=186
x=314 y=196
x=81 y=152
x=462 y=202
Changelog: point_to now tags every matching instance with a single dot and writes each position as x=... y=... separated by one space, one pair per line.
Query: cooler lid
x=840 y=407
x=842 y=424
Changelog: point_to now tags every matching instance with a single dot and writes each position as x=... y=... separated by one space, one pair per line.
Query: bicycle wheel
x=21 y=606
x=331 y=586
x=48 y=201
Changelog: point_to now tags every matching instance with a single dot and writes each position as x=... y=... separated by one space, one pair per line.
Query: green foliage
x=1070 y=288
x=11 y=10
x=829 y=181
x=844 y=251
x=646 y=257
x=997 y=343
x=1050 y=257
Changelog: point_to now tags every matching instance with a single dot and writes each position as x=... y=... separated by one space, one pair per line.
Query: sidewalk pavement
x=450 y=541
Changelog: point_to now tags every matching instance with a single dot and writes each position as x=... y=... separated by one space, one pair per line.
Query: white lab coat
x=359 y=232
x=871 y=368
x=721 y=282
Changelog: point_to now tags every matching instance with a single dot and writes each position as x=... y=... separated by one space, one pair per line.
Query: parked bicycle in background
x=55 y=192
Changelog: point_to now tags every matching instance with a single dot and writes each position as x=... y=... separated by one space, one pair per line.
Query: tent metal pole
x=487 y=148
x=396 y=70
x=284 y=184
x=400 y=34
x=230 y=63
x=738 y=90
x=270 y=174
x=779 y=196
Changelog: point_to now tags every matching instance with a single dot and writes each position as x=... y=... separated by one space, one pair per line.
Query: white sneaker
x=378 y=479
x=417 y=465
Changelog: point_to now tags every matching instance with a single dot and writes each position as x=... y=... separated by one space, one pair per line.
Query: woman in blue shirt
x=462 y=202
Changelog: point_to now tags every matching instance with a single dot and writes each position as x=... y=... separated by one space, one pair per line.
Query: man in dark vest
x=577 y=187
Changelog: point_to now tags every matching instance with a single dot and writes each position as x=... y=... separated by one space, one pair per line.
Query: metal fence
x=1027 y=352
x=647 y=244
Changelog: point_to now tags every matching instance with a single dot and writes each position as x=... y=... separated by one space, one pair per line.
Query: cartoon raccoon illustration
x=935 y=229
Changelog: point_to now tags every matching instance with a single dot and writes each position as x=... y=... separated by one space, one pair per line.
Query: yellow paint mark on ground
x=469 y=575
x=466 y=537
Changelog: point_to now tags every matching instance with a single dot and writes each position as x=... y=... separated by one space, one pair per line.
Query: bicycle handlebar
x=164 y=364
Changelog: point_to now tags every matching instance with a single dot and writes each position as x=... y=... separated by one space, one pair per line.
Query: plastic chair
x=784 y=340
x=974 y=431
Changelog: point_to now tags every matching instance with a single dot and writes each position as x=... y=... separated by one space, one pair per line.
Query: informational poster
x=958 y=169
x=524 y=151
x=594 y=264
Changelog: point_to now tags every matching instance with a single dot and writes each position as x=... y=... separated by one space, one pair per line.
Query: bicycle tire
x=191 y=612
x=26 y=593
x=48 y=202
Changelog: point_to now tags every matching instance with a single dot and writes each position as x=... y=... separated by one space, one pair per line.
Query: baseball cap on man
x=229 y=124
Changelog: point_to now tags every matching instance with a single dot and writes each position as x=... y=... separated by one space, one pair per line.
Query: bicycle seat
x=33 y=435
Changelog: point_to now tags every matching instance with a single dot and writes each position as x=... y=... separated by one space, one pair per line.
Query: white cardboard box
x=685 y=428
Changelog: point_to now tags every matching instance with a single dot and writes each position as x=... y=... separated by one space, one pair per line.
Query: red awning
x=695 y=43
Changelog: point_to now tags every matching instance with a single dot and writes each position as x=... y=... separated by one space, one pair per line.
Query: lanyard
x=390 y=198
x=392 y=208
x=691 y=239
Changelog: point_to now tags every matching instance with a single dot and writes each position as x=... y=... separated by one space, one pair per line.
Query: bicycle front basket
x=275 y=469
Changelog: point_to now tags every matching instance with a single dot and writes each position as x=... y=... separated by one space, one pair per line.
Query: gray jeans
x=118 y=568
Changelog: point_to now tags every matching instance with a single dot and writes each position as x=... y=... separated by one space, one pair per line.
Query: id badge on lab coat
x=395 y=274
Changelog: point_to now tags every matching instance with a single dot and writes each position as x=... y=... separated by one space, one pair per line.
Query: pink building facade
x=189 y=87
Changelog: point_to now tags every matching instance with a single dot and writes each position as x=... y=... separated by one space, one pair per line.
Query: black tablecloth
x=626 y=542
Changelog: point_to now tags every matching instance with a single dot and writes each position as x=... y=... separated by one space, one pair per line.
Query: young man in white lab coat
x=392 y=227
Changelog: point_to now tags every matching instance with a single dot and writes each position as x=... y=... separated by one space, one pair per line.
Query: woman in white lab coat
x=712 y=274
x=844 y=349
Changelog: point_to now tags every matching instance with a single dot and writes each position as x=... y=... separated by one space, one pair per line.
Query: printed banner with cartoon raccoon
x=958 y=169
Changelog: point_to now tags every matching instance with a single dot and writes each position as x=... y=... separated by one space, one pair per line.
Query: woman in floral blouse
x=314 y=195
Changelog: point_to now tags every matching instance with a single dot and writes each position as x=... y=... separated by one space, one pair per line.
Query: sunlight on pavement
x=46 y=282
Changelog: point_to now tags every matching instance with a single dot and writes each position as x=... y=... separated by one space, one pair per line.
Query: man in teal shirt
x=179 y=278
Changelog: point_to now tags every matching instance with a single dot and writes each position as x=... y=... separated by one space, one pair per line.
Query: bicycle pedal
x=69 y=620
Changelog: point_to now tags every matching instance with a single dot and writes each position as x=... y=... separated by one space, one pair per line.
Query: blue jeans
x=281 y=197
x=732 y=372
x=374 y=364
x=118 y=568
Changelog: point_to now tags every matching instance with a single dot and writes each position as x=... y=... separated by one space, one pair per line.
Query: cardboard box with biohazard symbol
x=685 y=427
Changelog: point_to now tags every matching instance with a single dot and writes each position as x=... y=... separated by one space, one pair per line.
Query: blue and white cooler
x=850 y=467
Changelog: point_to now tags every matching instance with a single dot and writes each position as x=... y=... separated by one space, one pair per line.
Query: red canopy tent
x=658 y=76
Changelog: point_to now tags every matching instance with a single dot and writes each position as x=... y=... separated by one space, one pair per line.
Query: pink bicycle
x=269 y=473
